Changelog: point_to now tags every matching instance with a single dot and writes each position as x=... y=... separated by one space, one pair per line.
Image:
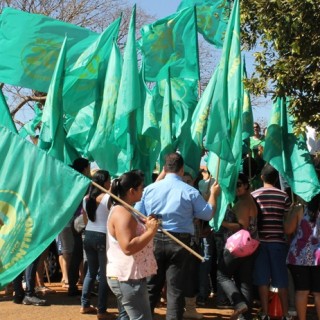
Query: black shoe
x=224 y=305
x=201 y=302
x=18 y=299
x=33 y=300
x=74 y=293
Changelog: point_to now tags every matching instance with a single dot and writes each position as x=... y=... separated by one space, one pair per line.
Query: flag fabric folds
x=30 y=127
x=30 y=45
x=212 y=18
x=171 y=42
x=103 y=149
x=6 y=119
x=52 y=134
x=247 y=115
x=35 y=203
x=85 y=77
x=129 y=97
x=289 y=154
x=224 y=128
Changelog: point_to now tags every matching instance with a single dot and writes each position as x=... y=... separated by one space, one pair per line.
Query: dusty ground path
x=62 y=307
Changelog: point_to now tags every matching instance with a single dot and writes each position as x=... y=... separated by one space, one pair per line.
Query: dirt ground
x=62 y=307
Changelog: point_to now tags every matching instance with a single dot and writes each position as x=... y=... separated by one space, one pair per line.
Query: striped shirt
x=274 y=204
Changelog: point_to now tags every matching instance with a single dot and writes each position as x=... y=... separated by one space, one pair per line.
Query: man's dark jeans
x=172 y=260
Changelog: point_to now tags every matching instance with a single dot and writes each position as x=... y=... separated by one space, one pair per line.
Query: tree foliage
x=286 y=35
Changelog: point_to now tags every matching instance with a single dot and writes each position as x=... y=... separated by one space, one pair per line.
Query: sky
x=160 y=9
x=163 y=8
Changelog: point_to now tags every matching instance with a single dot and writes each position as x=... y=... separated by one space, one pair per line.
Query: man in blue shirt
x=176 y=204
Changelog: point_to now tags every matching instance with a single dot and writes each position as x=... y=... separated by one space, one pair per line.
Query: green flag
x=103 y=149
x=30 y=45
x=30 y=127
x=85 y=77
x=167 y=140
x=212 y=18
x=6 y=119
x=185 y=98
x=224 y=130
x=289 y=154
x=148 y=131
x=200 y=118
x=247 y=115
x=171 y=42
x=52 y=136
x=35 y=203
x=129 y=97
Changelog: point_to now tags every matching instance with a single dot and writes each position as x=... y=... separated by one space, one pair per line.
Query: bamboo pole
x=143 y=216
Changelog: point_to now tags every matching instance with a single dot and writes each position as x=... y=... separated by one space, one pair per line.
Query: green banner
x=30 y=45
x=38 y=196
x=289 y=153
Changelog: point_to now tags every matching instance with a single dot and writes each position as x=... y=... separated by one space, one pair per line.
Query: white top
x=102 y=212
x=136 y=266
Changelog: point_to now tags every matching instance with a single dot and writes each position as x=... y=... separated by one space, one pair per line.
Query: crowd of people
x=119 y=239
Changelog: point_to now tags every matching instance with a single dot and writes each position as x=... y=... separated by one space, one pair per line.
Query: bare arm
x=215 y=191
x=123 y=228
x=292 y=219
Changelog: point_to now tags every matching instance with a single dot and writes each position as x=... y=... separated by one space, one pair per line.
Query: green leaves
x=287 y=60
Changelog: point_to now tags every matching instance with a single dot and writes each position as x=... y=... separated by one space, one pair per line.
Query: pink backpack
x=240 y=244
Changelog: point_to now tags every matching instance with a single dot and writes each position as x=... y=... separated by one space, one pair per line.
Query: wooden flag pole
x=218 y=169
x=143 y=216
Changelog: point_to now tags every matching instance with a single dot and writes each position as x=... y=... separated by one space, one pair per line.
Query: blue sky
x=158 y=8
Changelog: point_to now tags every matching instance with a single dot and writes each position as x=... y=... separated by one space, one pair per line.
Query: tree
x=95 y=15
x=287 y=39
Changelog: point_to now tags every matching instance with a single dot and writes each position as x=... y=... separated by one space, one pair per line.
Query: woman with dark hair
x=130 y=256
x=95 y=205
x=304 y=253
x=234 y=273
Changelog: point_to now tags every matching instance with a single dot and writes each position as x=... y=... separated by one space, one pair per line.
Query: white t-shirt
x=102 y=212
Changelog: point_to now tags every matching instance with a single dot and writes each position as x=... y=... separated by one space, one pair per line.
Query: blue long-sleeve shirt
x=176 y=203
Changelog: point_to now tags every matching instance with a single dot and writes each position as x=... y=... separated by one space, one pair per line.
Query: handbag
x=240 y=244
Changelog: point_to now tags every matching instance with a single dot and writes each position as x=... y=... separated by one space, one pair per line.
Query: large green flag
x=289 y=153
x=103 y=149
x=30 y=45
x=129 y=97
x=171 y=42
x=36 y=202
x=84 y=79
x=31 y=126
x=224 y=129
x=52 y=136
x=212 y=18
x=6 y=119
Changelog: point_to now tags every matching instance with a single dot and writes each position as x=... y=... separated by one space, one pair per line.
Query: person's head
x=174 y=163
x=128 y=186
x=82 y=165
x=313 y=207
x=102 y=178
x=243 y=184
x=205 y=173
x=256 y=128
x=269 y=174
x=187 y=178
